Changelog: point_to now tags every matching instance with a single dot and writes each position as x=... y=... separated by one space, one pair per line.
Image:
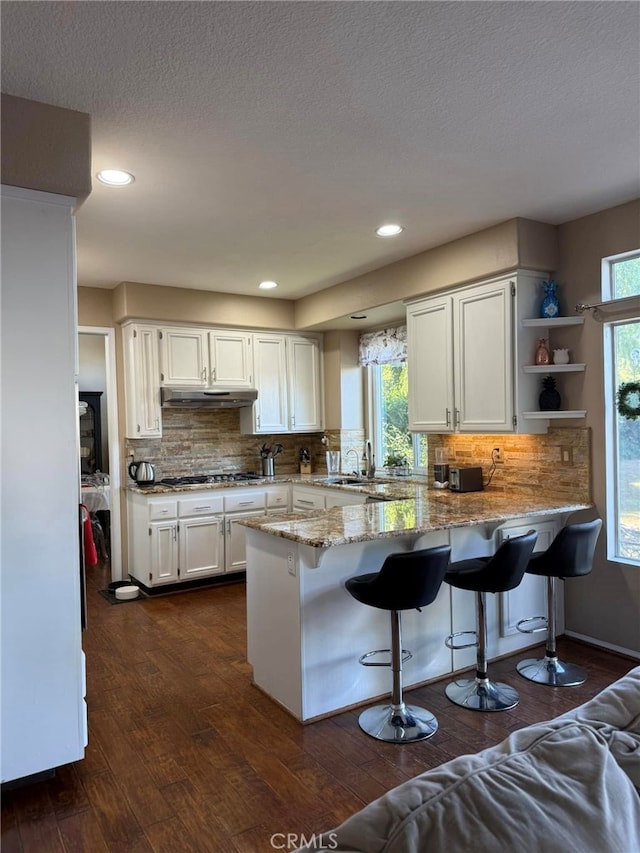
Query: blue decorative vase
x=550 y=306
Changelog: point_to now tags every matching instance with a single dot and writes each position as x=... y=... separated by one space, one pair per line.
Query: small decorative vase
x=542 y=353
x=561 y=356
x=550 y=306
x=549 y=399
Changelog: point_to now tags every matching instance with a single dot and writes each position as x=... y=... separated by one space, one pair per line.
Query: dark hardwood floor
x=186 y=755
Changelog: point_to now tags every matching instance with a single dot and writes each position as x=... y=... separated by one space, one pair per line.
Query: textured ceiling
x=269 y=139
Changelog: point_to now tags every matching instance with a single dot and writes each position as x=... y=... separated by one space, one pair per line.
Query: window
x=389 y=415
x=621 y=280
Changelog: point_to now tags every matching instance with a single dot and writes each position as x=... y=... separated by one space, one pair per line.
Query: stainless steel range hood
x=208 y=398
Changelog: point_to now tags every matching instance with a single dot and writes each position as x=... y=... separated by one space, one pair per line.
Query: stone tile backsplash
x=532 y=461
x=195 y=442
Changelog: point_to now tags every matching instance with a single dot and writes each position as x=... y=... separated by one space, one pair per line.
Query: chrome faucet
x=371 y=463
x=346 y=456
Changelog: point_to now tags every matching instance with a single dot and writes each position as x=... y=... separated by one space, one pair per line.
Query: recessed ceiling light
x=389 y=230
x=358 y=316
x=267 y=285
x=115 y=177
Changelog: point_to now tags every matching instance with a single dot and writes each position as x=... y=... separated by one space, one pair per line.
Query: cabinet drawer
x=278 y=498
x=204 y=504
x=308 y=499
x=244 y=501
x=162 y=509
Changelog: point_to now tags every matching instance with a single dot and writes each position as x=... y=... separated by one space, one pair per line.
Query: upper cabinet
x=286 y=370
x=460 y=349
x=141 y=381
x=192 y=356
x=471 y=353
x=288 y=378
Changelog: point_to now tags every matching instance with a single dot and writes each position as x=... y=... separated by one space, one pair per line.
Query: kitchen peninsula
x=305 y=633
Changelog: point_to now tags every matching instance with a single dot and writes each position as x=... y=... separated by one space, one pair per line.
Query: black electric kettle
x=143 y=473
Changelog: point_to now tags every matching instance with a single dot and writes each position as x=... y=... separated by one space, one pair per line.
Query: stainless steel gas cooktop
x=196 y=479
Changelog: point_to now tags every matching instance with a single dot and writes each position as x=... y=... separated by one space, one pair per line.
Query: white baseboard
x=593 y=642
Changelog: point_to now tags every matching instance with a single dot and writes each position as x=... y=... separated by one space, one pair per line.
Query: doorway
x=97 y=378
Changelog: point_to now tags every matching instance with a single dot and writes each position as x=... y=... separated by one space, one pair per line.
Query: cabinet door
x=270 y=413
x=483 y=366
x=201 y=547
x=142 y=382
x=163 y=552
x=235 y=541
x=305 y=391
x=184 y=353
x=230 y=359
x=430 y=365
x=530 y=597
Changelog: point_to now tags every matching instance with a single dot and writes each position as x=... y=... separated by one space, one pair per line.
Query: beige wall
x=605 y=604
x=504 y=247
x=154 y=302
x=95 y=307
x=45 y=148
x=343 y=382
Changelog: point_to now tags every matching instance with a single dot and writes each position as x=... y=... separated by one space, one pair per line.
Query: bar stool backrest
x=506 y=568
x=408 y=579
x=570 y=555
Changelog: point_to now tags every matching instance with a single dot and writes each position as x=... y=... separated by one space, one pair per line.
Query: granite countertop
x=391 y=489
x=428 y=509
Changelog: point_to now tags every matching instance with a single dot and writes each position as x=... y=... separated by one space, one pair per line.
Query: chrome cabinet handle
x=457 y=417
x=198 y=508
x=302 y=501
x=448 y=412
x=246 y=503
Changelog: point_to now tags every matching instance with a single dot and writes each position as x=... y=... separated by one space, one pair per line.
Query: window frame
x=374 y=419
x=612 y=473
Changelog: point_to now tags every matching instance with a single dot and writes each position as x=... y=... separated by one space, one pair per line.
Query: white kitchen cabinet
x=288 y=377
x=184 y=356
x=464 y=349
x=230 y=359
x=235 y=540
x=304 y=384
x=270 y=412
x=201 y=547
x=307 y=498
x=173 y=539
x=460 y=350
x=206 y=357
x=530 y=597
x=141 y=381
x=334 y=497
x=163 y=553
x=278 y=498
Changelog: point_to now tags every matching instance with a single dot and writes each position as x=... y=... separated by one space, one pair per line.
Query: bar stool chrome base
x=550 y=670
x=482 y=694
x=398 y=723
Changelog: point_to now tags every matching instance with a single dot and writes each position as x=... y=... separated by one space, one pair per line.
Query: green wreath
x=625 y=408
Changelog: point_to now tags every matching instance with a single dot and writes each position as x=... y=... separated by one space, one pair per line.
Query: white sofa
x=570 y=785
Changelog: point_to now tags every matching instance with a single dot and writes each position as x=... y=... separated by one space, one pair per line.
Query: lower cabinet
x=173 y=540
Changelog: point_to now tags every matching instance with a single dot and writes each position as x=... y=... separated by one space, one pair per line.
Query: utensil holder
x=268 y=467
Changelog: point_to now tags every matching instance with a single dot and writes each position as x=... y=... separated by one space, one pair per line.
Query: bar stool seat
x=408 y=580
x=499 y=573
x=570 y=555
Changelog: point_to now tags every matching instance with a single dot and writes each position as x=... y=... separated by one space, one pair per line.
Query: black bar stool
x=570 y=555
x=406 y=581
x=499 y=573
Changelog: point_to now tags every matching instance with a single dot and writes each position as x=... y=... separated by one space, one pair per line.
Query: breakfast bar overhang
x=306 y=633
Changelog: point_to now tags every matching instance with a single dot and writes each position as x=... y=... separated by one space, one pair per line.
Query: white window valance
x=386 y=346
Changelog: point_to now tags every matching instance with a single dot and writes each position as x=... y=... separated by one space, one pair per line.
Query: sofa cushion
x=549 y=787
x=615 y=713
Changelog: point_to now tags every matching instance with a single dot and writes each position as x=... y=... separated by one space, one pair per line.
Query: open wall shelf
x=552 y=323
x=553 y=368
x=569 y=413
